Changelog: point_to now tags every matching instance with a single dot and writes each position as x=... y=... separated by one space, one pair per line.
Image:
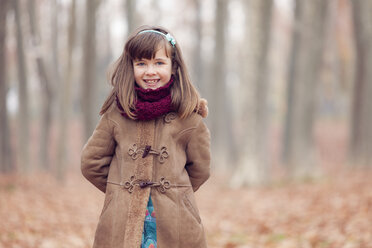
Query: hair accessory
x=167 y=36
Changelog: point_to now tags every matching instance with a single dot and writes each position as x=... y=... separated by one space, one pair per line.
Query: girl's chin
x=153 y=86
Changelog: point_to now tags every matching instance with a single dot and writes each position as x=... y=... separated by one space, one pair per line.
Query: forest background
x=288 y=84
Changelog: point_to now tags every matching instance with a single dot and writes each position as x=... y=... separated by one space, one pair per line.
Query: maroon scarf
x=151 y=103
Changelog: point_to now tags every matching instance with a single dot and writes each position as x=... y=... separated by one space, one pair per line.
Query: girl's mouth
x=151 y=82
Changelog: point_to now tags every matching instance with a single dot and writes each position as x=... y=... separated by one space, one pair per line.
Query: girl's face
x=153 y=73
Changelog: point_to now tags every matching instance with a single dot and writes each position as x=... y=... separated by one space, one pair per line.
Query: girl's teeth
x=151 y=81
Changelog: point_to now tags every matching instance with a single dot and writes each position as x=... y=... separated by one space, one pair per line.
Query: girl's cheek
x=140 y=71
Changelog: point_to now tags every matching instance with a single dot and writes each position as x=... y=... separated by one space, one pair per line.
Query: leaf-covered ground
x=37 y=211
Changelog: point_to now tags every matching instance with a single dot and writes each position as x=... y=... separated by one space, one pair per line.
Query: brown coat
x=119 y=161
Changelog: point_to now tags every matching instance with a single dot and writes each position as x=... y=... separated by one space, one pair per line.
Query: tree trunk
x=287 y=134
x=197 y=61
x=304 y=73
x=47 y=96
x=361 y=132
x=89 y=66
x=131 y=14
x=55 y=44
x=6 y=164
x=218 y=97
x=23 y=114
x=252 y=164
x=65 y=102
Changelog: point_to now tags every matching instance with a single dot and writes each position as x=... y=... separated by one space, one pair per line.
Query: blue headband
x=167 y=36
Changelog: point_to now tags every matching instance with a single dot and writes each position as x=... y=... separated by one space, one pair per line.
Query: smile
x=151 y=81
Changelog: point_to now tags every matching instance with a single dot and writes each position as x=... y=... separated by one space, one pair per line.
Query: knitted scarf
x=151 y=103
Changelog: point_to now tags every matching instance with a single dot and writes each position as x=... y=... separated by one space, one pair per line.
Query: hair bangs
x=145 y=46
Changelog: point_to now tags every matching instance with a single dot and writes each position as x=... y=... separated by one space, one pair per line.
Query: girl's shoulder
x=203 y=108
x=192 y=120
x=114 y=114
x=201 y=112
x=113 y=110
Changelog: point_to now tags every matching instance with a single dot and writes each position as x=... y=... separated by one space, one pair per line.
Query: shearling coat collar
x=167 y=157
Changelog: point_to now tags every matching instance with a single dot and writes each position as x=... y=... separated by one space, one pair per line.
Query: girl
x=150 y=149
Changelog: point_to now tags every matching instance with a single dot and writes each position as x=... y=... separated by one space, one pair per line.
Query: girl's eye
x=160 y=63
x=140 y=64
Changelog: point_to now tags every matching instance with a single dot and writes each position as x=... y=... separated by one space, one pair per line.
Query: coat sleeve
x=97 y=154
x=198 y=156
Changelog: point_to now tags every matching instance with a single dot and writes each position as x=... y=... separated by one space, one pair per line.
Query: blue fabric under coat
x=149 y=230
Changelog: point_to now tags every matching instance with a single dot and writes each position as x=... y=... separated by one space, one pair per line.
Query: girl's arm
x=198 y=156
x=97 y=154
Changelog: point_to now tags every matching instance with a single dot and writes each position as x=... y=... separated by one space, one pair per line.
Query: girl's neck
x=152 y=104
x=151 y=95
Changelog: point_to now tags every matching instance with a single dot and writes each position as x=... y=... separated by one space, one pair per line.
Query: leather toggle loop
x=134 y=152
x=170 y=117
x=162 y=186
x=129 y=185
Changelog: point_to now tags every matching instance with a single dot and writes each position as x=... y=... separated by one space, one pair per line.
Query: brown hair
x=185 y=97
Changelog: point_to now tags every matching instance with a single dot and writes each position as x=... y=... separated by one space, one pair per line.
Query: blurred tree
x=253 y=160
x=287 y=139
x=6 y=164
x=130 y=8
x=47 y=96
x=23 y=113
x=345 y=39
x=218 y=106
x=197 y=68
x=65 y=100
x=361 y=132
x=304 y=74
x=89 y=66
x=156 y=16
x=55 y=43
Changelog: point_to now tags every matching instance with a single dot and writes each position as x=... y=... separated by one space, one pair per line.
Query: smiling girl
x=151 y=149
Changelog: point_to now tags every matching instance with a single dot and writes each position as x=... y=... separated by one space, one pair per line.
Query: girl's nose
x=150 y=69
